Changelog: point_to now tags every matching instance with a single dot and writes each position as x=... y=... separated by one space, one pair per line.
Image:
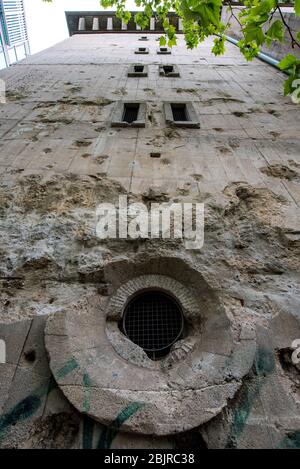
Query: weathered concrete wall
x=59 y=158
x=277 y=50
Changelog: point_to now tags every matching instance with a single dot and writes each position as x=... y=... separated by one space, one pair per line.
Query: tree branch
x=293 y=40
x=232 y=14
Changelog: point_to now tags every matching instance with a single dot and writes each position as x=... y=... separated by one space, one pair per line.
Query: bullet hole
x=218 y=129
x=238 y=114
x=30 y=356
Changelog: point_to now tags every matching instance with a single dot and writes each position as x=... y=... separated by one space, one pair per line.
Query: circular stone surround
x=105 y=375
x=119 y=301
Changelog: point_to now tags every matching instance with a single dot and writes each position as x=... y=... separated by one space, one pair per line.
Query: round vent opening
x=154 y=321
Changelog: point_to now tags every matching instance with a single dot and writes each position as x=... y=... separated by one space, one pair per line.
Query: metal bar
x=264 y=57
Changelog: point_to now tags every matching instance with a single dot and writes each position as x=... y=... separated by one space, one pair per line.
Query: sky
x=46 y=22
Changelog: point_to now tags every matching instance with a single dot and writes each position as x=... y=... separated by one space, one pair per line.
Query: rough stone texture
x=59 y=158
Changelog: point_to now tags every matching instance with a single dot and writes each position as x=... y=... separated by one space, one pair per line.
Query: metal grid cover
x=153 y=320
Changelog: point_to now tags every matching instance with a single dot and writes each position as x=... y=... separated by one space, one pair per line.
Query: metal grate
x=179 y=112
x=131 y=112
x=154 y=321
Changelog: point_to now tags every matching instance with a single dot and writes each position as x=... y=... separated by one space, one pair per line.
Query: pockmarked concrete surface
x=60 y=158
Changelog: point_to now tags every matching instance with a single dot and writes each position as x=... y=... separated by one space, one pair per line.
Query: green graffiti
x=291 y=441
x=87 y=432
x=70 y=366
x=87 y=392
x=23 y=410
x=88 y=424
x=264 y=364
x=110 y=433
x=30 y=405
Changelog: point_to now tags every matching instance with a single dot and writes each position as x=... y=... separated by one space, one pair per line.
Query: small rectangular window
x=137 y=70
x=131 y=112
x=164 y=50
x=141 y=50
x=168 y=69
x=179 y=112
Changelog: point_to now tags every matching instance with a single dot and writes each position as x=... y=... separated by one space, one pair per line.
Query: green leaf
x=172 y=42
x=288 y=85
x=297 y=7
x=249 y=50
x=219 y=46
x=276 y=31
x=288 y=62
x=148 y=11
x=254 y=33
x=162 y=41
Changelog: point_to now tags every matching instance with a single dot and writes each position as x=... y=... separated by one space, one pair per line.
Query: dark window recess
x=163 y=49
x=138 y=68
x=154 y=321
x=130 y=113
x=168 y=69
x=179 y=112
x=142 y=49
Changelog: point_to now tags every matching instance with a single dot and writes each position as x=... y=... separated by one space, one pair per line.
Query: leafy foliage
x=202 y=18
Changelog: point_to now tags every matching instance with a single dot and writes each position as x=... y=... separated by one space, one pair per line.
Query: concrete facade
x=62 y=288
